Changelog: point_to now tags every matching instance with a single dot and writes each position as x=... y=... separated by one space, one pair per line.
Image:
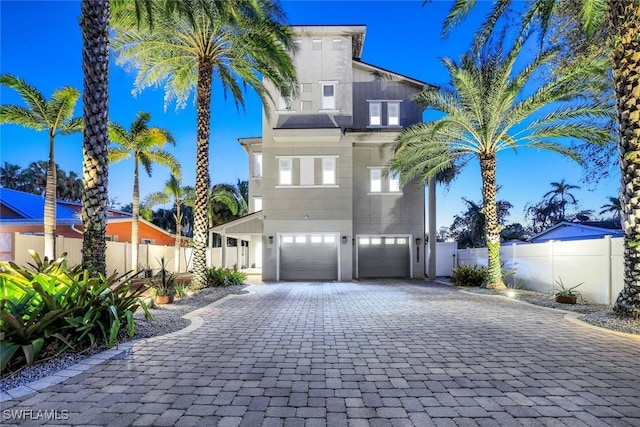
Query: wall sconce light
x=418 y=241
x=306 y=217
x=344 y=240
x=270 y=239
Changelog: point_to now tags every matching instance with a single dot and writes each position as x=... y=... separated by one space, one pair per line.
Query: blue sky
x=41 y=43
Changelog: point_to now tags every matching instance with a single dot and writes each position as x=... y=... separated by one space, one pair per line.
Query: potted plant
x=164 y=285
x=566 y=295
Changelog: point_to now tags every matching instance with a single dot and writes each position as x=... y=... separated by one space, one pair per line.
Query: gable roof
x=31 y=207
x=389 y=73
x=566 y=230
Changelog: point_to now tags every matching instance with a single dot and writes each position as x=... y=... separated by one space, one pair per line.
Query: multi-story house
x=325 y=206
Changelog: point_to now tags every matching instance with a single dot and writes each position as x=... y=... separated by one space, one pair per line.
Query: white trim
x=385 y=100
x=335 y=82
x=312 y=186
x=387 y=193
x=409 y=238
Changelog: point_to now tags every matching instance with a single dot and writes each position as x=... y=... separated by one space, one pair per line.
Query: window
x=301 y=239
x=257 y=165
x=364 y=241
x=257 y=204
x=393 y=114
x=394 y=182
x=375 y=114
x=329 y=239
x=317 y=44
x=316 y=239
x=401 y=241
x=287 y=239
x=328 y=96
x=306 y=105
x=286 y=165
x=376 y=241
x=376 y=180
x=337 y=44
x=389 y=241
x=148 y=241
x=328 y=170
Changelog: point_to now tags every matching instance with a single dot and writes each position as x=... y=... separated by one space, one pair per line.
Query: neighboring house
x=24 y=213
x=324 y=205
x=579 y=231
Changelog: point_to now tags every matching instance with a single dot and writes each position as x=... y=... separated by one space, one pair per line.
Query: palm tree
x=622 y=20
x=10 y=176
x=174 y=192
x=54 y=116
x=145 y=145
x=613 y=208
x=489 y=108
x=468 y=228
x=562 y=190
x=238 y=43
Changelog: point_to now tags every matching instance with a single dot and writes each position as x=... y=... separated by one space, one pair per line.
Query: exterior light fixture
x=344 y=240
x=270 y=239
x=418 y=241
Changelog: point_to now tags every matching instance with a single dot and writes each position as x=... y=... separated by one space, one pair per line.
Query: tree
x=622 y=21
x=145 y=145
x=544 y=214
x=10 y=176
x=562 y=190
x=239 y=42
x=175 y=193
x=613 y=208
x=491 y=107
x=55 y=117
x=468 y=228
x=94 y=23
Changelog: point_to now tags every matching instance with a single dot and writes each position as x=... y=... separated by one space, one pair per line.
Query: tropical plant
x=613 y=208
x=225 y=203
x=491 y=107
x=621 y=20
x=468 y=228
x=55 y=117
x=11 y=176
x=145 y=145
x=561 y=193
x=174 y=192
x=164 y=283
x=470 y=275
x=560 y=290
x=241 y=41
x=222 y=276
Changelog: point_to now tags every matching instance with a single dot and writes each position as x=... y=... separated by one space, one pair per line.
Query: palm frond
x=60 y=107
x=32 y=97
x=16 y=115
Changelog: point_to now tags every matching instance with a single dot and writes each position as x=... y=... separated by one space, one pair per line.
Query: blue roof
x=31 y=206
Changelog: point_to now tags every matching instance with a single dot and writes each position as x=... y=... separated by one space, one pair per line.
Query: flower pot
x=164 y=299
x=567 y=299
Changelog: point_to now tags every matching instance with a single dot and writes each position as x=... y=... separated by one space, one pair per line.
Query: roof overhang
x=245 y=221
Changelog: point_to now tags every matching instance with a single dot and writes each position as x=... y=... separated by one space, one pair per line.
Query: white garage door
x=309 y=256
x=383 y=256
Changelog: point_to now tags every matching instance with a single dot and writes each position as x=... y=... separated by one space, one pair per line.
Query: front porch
x=246 y=233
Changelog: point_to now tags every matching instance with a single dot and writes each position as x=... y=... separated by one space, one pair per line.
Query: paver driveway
x=355 y=354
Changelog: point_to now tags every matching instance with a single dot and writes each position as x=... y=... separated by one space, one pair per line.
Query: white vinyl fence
x=596 y=263
x=16 y=248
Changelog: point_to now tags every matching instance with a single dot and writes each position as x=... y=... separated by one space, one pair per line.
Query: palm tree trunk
x=94 y=22
x=135 y=213
x=50 y=205
x=625 y=20
x=492 y=227
x=178 y=218
x=205 y=76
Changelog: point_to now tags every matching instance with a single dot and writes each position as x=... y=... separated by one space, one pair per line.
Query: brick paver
x=379 y=353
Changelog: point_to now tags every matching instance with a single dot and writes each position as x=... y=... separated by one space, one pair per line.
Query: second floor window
x=394 y=182
x=383 y=113
x=286 y=166
x=257 y=165
x=381 y=183
x=393 y=114
x=375 y=113
x=328 y=170
x=376 y=180
x=257 y=204
x=328 y=96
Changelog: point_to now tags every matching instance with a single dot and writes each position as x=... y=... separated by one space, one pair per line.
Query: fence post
x=552 y=264
x=609 y=270
x=515 y=265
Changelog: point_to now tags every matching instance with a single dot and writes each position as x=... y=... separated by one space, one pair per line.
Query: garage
x=309 y=256
x=383 y=256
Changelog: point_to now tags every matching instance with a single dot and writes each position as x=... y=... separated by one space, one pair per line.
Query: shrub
x=222 y=276
x=470 y=275
x=48 y=307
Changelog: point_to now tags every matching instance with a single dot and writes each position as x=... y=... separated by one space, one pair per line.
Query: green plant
x=222 y=276
x=470 y=275
x=564 y=291
x=164 y=283
x=46 y=304
x=181 y=289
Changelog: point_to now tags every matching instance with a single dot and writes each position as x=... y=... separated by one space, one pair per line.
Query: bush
x=470 y=275
x=47 y=308
x=222 y=276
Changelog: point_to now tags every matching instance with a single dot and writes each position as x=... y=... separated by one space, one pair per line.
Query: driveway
x=379 y=353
